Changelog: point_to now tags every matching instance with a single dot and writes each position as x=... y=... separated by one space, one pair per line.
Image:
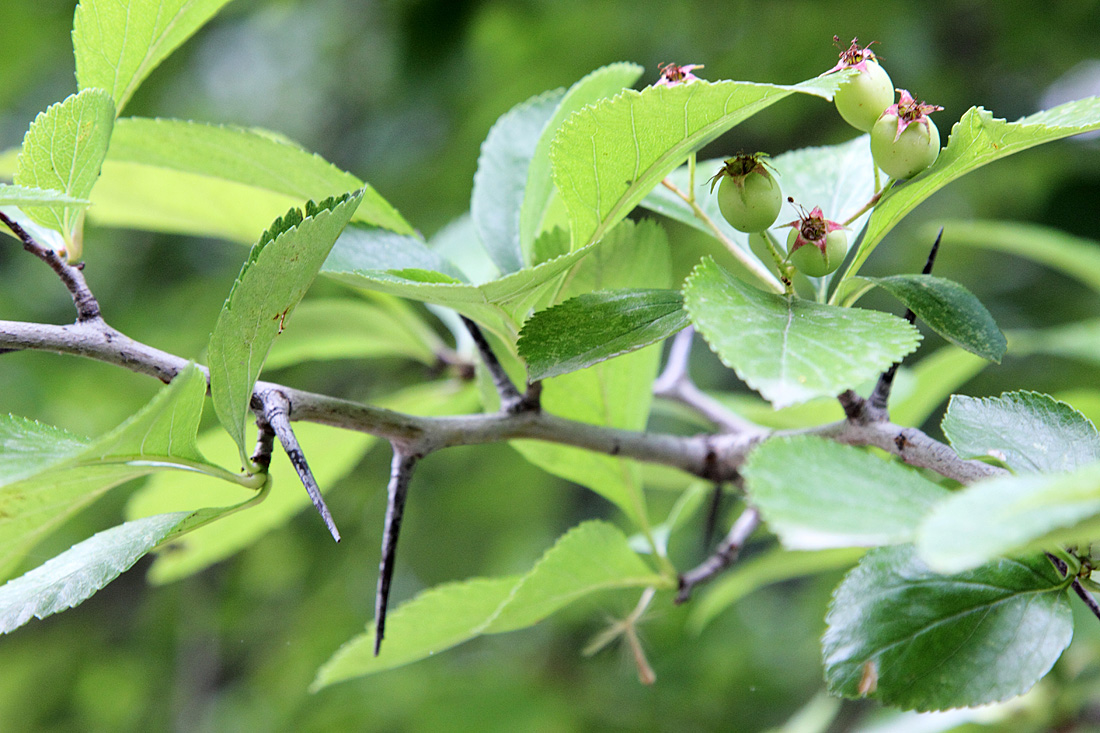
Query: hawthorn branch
x=723 y=557
x=675 y=384
x=397 y=492
x=880 y=396
x=87 y=307
x=275 y=409
x=510 y=398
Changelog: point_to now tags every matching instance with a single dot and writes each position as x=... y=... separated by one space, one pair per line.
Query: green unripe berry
x=816 y=246
x=748 y=195
x=916 y=148
x=861 y=100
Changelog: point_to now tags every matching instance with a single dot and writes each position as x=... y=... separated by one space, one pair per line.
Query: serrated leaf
x=950 y=310
x=937 y=642
x=1076 y=257
x=594 y=327
x=838 y=178
x=816 y=494
x=1011 y=516
x=790 y=349
x=196 y=178
x=501 y=177
x=1028 y=431
x=601 y=83
x=117 y=43
x=608 y=156
x=332 y=454
x=976 y=139
x=11 y=195
x=346 y=328
x=374 y=260
x=49 y=475
x=591 y=557
x=76 y=574
x=773 y=566
x=63 y=151
x=614 y=393
x=279 y=270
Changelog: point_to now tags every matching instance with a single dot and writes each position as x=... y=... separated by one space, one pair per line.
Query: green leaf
x=373 y=260
x=1080 y=340
x=279 y=270
x=937 y=642
x=1027 y=431
x=1076 y=257
x=950 y=310
x=774 y=566
x=615 y=393
x=346 y=328
x=75 y=575
x=817 y=494
x=192 y=162
x=593 y=327
x=976 y=139
x=502 y=177
x=590 y=558
x=608 y=156
x=332 y=454
x=29 y=196
x=49 y=475
x=1011 y=516
x=118 y=43
x=790 y=349
x=63 y=151
x=539 y=191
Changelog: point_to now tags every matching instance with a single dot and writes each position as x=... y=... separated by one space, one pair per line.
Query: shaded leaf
x=1028 y=431
x=790 y=349
x=950 y=310
x=501 y=177
x=11 y=195
x=976 y=139
x=279 y=270
x=939 y=642
x=593 y=327
x=817 y=494
x=117 y=43
x=591 y=557
x=608 y=156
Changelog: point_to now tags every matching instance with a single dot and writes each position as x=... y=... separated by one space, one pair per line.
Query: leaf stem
x=691 y=178
x=750 y=263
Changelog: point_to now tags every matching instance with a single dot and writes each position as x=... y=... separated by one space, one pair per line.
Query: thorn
x=398 y=489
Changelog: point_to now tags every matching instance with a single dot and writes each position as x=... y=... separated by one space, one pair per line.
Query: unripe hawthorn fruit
x=861 y=100
x=905 y=141
x=748 y=195
x=816 y=246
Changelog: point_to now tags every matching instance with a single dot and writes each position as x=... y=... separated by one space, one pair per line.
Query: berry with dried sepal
x=816 y=246
x=674 y=74
x=905 y=141
x=748 y=194
x=861 y=100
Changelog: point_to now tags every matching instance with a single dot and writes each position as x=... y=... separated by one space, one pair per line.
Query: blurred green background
x=402 y=94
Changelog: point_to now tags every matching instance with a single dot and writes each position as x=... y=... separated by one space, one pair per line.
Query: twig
x=400 y=476
x=723 y=557
x=752 y=264
x=265 y=444
x=1087 y=597
x=276 y=411
x=675 y=384
x=880 y=396
x=511 y=400
x=87 y=308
